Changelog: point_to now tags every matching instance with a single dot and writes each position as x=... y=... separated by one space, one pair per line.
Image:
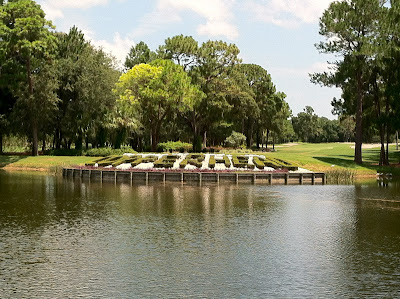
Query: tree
x=155 y=91
x=27 y=42
x=183 y=50
x=350 y=27
x=87 y=77
x=214 y=64
x=306 y=125
x=138 y=54
x=236 y=139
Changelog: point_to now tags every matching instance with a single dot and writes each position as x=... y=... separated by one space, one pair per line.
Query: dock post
x=182 y=177
x=324 y=179
x=101 y=175
x=90 y=174
x=115 y=176
x=147 y=178
x=270 y=179
x=254 y=178
x=313 y=179
x=286 y=178
x=301 y=179
x=237 y=178
x=131 y=178
x=164 y=175
x=217 y=177
x=200 y=177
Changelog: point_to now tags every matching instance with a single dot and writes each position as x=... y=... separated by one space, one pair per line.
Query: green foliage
x=107 y=151
x=139 y=54
x=258 y=163
x=166 y=161
x=154 y=92
x=175 y=146
x=212 y=162
x=235 y=140
x=341 y=176
x=64 y=152
x=27 y=47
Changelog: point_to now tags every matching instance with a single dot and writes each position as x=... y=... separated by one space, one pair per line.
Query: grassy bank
x=41 y=163
x=325 y=157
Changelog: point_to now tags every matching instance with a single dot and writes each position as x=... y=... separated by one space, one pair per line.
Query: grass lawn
x=316 y=157
x=44 y=163
x=327 y=156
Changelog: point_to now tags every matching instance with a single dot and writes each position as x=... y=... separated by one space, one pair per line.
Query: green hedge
x=166 y=161
x=211 y=162
x=110 y=160
x=176 y=146
x=258 y=163
x=125 y=159
x=227 y=161
x=108 y=151
x=241 y=162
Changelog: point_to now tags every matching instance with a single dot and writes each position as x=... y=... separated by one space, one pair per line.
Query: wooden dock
x=271 y=178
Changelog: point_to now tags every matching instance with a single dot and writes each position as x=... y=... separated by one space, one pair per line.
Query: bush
x=227 y=161
x=235 y=140
x=165 y=162
x=258 y=163
x=64 y=152
x=175 y=146
x=108 y=151
x=211 y=162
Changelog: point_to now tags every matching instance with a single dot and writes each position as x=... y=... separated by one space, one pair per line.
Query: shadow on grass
x=345 y=162
x=6 y=160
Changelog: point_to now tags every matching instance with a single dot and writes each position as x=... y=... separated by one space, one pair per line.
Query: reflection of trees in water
x=376 y=255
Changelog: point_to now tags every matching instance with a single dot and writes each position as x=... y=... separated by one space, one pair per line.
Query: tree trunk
x=273 y=142
x=266 y=142
x=258 y=139
x=205 y=139
x=35 y=151
x=79 y=142
x=359 y=119
x=1 y=143
x=382 y=158
x=44 y=145
x=397 y=140
x=250 y=135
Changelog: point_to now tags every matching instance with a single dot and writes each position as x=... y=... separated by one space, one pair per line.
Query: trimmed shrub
x=258 y=163
x=183 y=164
x=109 y=161
x=165 y=161
x=211 y=162
x=108 y=151
x=227 y=161
x=176 y=146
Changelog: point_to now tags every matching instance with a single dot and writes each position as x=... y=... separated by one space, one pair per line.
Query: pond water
x=65 y=238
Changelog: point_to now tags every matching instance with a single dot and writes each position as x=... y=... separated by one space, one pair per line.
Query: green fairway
x=327 y=156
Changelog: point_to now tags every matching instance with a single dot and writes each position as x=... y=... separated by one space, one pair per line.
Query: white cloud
x=54 y=8
x=119 y=47
x=317 y=67
x=218 y=15
x=287 y=13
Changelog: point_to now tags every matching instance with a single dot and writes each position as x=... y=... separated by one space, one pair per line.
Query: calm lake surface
x=65 y=238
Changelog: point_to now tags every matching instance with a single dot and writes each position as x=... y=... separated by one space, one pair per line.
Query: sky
x=278 y=35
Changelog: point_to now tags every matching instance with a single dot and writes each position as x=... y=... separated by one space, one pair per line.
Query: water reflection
x=70 y=238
